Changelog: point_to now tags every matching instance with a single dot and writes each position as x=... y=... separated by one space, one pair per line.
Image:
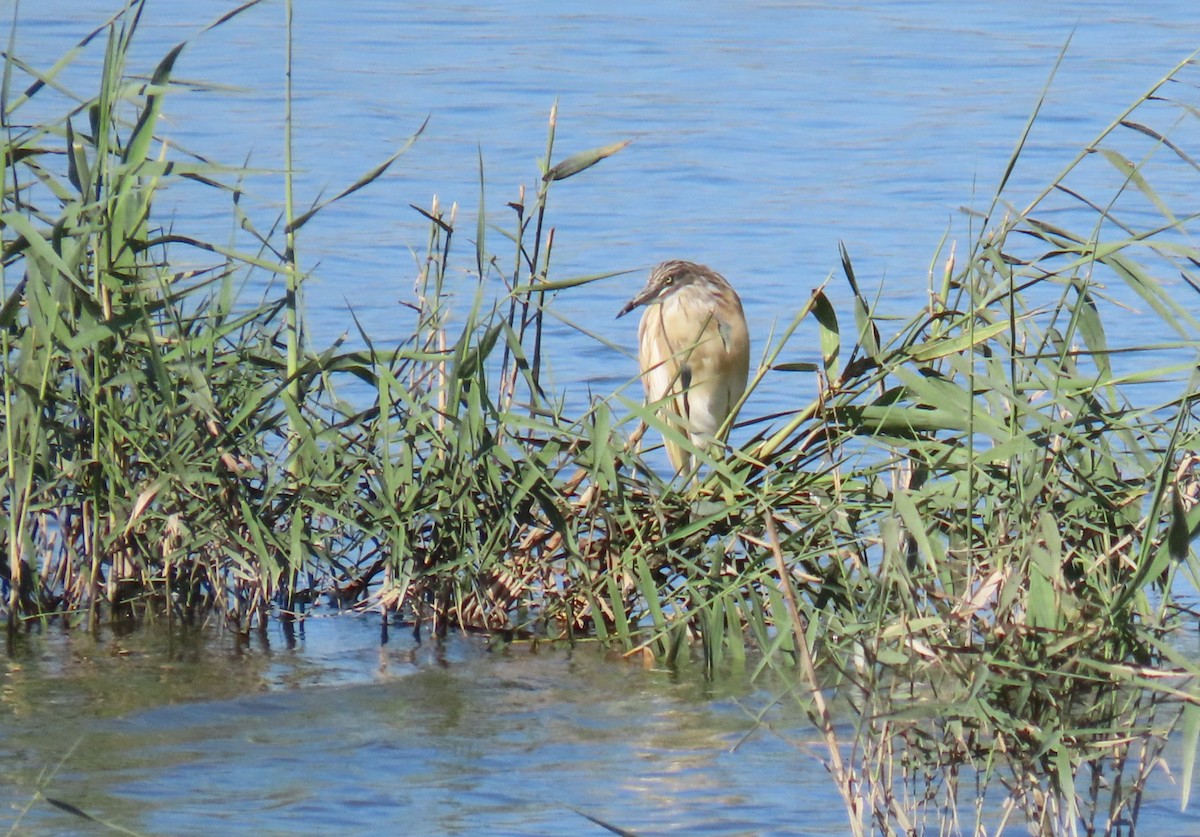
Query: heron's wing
x=716 y=357
x=730 y=327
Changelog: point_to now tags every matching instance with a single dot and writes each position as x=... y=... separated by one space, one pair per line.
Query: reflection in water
x=343 y=732
x=344 y=735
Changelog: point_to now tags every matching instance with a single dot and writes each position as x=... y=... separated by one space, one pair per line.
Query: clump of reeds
x=1013 y=497
x=967 y=546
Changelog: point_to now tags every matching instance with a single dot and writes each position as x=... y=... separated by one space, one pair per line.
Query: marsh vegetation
x=965 y=555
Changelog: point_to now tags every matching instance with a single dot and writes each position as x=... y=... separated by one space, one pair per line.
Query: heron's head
x=669 y=278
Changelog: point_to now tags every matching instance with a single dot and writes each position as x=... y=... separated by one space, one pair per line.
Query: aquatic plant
x=963 y=555
x=999 y=569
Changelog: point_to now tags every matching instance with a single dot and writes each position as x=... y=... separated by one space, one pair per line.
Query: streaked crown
x=672 y=276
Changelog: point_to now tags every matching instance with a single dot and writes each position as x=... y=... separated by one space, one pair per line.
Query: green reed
x=963 y=554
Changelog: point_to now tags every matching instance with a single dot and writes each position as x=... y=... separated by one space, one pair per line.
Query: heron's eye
x=669 y=281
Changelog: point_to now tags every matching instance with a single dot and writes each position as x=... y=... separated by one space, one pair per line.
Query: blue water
x=764 y=133
x=337 y=734
x=340 y=735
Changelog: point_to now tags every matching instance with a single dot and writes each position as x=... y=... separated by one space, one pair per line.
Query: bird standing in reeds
x=694 y=351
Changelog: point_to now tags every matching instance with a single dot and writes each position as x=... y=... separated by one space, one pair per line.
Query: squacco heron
x=694 y=350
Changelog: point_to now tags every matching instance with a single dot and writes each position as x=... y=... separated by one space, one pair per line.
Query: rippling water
x=764 y=133
x=338 y=734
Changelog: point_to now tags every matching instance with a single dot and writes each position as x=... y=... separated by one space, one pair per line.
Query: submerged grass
x=965 y=553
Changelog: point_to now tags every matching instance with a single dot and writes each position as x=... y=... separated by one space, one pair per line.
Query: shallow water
x=340 y=734
x=764 y=133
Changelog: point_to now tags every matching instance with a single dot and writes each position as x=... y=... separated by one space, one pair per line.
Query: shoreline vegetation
x=966 y=554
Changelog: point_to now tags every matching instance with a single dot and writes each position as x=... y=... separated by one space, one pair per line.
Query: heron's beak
x=643 y=296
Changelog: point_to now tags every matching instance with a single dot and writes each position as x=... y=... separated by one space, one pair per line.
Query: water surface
x=335 y=733
x=765 y=134
x=341 y=735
